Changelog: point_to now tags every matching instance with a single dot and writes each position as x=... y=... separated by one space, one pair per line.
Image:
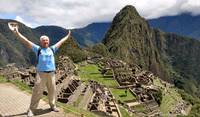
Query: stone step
x=76 y=94
x=86 y=98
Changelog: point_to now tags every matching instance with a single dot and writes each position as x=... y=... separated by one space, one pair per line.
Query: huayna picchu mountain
x=130 y=38
x=172 y=57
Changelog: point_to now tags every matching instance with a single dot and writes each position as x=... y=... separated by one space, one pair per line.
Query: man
x=45 y=67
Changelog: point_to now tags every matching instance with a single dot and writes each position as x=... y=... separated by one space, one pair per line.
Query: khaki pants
x=42 y=80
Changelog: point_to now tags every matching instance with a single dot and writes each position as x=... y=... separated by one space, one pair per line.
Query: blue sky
x=8 y=16
x=79 y=13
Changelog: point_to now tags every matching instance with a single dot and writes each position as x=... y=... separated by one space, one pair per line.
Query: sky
x=80 y=13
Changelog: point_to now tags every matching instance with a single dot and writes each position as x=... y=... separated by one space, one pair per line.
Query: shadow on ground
x=37 y=112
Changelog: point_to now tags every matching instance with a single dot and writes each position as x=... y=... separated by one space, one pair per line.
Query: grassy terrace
x=170 y=97
x=119 y=94
x=123 y=112
x=91 y=72
x=170 y=94
x=169 y=100
x=139 y=108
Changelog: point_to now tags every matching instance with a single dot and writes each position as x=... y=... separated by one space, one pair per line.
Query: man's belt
x=47 y=71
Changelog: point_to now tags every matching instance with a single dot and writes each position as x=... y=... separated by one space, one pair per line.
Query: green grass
x=124 y=112
x=76 y=103
x=76 y=111
x=91 y=72
x=3 y=80
x=139 y=108
x=22 y=86
x=169 y=98
x=157 y=82
x=119 y=94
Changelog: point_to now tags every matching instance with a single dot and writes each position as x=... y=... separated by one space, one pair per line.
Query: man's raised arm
x=58 y=44
x=14 y=28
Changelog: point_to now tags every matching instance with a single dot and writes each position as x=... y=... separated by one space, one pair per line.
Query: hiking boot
x=55 y=109
x=30 y=113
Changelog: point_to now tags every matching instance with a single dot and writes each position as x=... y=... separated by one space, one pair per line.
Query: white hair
x=44 y=37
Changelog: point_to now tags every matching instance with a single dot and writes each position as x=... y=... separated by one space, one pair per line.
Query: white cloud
x=78 y=13
x=18 y=18
x=9 y=6
x=192 y=5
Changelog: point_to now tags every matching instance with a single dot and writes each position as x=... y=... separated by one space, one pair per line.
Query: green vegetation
x=22 y=86
x=170 y=96
x=139 y=108
x=158 y=96
x=195 y=101
x=3 y=80
x=100 y=49
x=91 y=72
x=169 y=100
x=124 y=112
x=77 y=111
x=70 y=48
x=157 y=82
x=185 y=62
x=120 y=94
x=76 y=103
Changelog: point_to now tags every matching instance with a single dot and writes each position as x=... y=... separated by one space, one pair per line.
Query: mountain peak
x=127 y=22
x=129 y=16
x=130 y=9
x=129 y=12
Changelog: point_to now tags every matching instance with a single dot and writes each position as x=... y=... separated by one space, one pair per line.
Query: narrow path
x=15 y=103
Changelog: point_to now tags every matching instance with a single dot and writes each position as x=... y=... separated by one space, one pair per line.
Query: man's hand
x=13 y=26
x=69 y=33
x=59 y=43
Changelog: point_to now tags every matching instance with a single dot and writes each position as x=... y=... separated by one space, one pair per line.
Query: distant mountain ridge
x=91 y=34
x=184 y=24
x=54 y=32
x=87 y=36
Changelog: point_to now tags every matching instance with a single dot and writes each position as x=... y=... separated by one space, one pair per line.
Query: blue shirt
x=46 y=60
